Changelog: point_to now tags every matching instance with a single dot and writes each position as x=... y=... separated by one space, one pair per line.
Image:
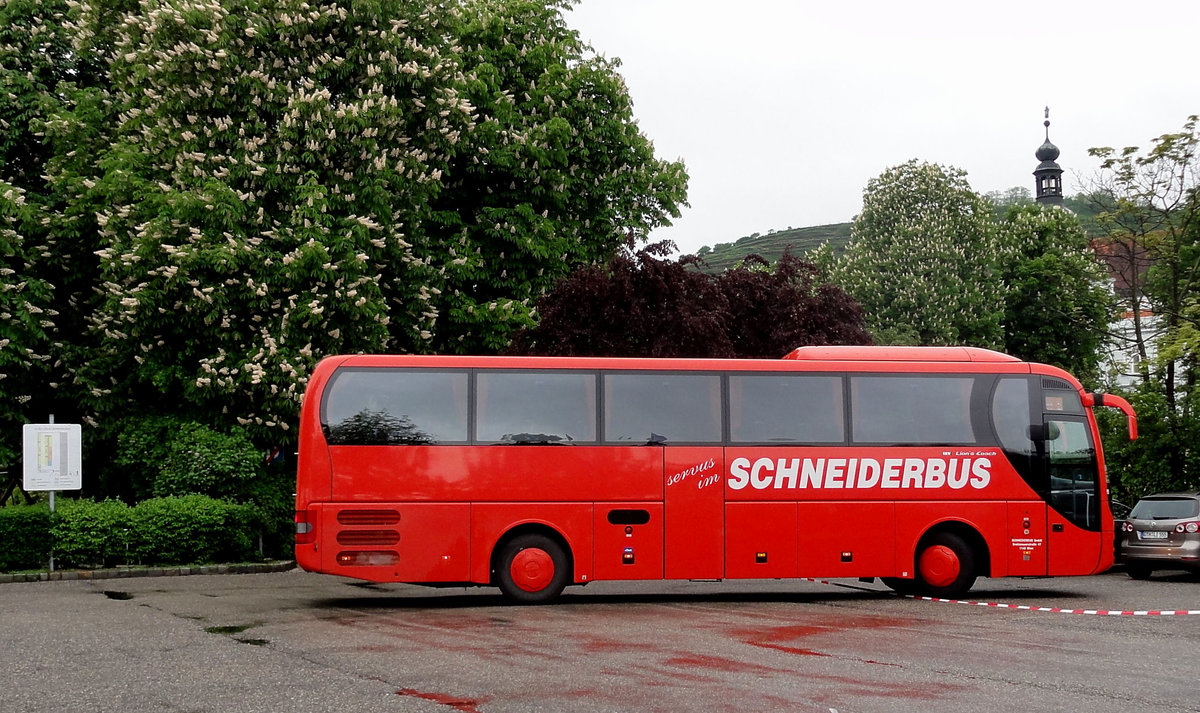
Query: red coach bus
x=923 y=466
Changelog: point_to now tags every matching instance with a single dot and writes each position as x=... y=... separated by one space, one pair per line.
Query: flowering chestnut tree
x=923 y=259
x=33 y=50
x=26 y=321
x=262 y=192
x=254 y=184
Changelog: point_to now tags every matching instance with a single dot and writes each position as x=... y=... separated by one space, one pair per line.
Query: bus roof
x=852 y=358
x=927 y=354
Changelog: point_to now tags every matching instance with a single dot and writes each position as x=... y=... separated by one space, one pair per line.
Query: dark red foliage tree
x=771 y=312
x=642 y=305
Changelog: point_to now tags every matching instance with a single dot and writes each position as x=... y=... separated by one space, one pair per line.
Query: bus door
x=694 y=500
x=1074 y=513
x=1017 y=419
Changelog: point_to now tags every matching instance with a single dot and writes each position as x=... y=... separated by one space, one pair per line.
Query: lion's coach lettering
x=860 y=473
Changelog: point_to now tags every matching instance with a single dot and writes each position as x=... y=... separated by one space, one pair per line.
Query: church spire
x=1048 y=175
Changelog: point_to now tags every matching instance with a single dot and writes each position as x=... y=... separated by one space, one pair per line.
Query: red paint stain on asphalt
x=465 y=705
x=782 y=638
x=788 y=649
x=786 y=638
x=717 y=663
x=599 y=646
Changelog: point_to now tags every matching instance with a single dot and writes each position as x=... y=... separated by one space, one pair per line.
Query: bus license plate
x=1151 y=535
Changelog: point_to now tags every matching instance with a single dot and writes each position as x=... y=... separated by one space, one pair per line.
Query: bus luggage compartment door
x=628 y=541
x=761 y=540
x=846 y=538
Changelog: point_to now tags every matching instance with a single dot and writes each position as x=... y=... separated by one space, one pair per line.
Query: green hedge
x=89 y=534
x=24 y=537
x=192 y=529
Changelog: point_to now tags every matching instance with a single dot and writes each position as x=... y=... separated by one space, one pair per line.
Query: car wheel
x=532 y=569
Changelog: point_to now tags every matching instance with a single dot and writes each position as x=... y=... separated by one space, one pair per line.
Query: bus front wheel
x=945 y=566
x=532 y=569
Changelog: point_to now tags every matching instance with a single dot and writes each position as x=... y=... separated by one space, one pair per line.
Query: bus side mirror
x=1102 y=399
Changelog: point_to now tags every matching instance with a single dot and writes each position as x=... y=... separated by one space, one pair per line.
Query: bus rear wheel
x=945 y=566
x=532 y=569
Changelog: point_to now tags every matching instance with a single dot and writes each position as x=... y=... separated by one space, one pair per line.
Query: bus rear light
x=1189 y=527
x=368 y=558
x=305 y=532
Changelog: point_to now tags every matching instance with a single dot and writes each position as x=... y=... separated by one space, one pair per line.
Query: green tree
x=1149 y=202
x=922 y=259
x=554 y=173
x=1057 y=309
x=1164 y=457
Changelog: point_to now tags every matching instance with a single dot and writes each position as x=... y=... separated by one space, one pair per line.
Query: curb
x=131 y=572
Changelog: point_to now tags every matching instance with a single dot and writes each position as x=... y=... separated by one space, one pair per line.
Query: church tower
x=1048 y=176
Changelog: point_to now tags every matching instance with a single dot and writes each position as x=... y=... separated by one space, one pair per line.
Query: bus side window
x=536 y=407
x=788 y=408
x=913 y=410
x=1012 y=415
x=374 y=407
x=662 y=408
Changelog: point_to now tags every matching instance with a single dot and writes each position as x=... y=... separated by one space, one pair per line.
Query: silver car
x=1162 y=532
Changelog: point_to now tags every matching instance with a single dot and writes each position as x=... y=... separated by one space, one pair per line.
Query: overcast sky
x=782 y=110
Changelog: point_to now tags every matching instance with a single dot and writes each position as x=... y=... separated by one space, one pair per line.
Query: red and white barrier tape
x=1059 y=610
x=1026 y=607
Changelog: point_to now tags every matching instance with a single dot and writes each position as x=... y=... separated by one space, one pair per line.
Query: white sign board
x=53 y=453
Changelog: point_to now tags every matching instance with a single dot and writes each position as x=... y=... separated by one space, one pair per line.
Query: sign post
x=53 y=456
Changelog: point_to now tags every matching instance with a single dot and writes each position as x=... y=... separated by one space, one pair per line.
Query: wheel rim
x=532 y=569
x=939 y=566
